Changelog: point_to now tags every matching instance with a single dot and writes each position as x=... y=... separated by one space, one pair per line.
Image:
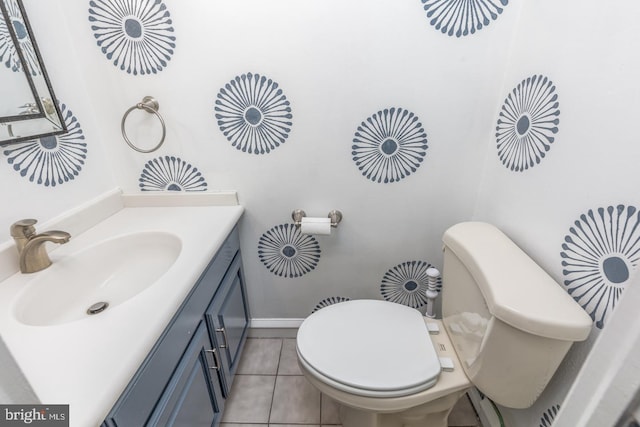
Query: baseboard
x=275 y=323
x=274 y=328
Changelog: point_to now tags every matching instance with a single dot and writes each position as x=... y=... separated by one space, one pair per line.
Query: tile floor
x=269 y=390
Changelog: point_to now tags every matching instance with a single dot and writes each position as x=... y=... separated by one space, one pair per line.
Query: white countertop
x=88 y=363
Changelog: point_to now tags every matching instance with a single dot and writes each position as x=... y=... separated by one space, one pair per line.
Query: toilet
x=506 y=327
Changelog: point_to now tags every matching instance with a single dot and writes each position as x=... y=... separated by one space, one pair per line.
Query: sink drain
x=98 y=307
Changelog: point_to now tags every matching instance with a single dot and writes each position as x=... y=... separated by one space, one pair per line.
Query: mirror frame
x=45 y=118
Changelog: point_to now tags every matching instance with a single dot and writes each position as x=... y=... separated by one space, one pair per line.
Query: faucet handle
x=23 y=228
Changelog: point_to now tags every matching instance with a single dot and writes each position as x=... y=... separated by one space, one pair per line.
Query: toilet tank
x=511 y=324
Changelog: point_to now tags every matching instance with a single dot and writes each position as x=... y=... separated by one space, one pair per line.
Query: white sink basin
x=111 y=271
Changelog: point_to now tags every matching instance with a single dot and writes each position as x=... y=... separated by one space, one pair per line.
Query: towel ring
x=151 y=106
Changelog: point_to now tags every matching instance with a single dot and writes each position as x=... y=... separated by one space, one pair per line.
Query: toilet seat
x=369 y=348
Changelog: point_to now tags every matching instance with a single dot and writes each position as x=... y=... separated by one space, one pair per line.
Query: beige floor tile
x=295 y=401
x=463 y=414
x=250 y=399
x=329 y=411
x=260 y=357
x=289 y=359
x=242 y=425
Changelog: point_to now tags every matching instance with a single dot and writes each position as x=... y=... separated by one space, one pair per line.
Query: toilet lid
x=372 y=348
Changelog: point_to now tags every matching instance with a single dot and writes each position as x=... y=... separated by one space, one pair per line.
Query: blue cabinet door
x=191 y=398
x=228 y=321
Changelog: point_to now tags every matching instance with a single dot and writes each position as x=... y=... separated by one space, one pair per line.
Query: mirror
x=28 y=107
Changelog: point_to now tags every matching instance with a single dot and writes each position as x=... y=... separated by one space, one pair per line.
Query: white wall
x=587 y=51
x=605 y=392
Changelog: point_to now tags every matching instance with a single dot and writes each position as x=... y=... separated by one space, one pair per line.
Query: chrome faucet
x=33 y=254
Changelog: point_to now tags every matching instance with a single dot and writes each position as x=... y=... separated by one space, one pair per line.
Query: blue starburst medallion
x=462 y=18
x=389 y=146
x=51 y=160
x=170 y=173
x=329 y=301
x=253 y=113
x=599 y=256
x=288 y=253
x=527 y=123
x=136 y=35
x=406 y=283
x=550 y=414
x=8 y=54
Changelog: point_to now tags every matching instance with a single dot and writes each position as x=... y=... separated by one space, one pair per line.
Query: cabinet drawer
x=143 y=392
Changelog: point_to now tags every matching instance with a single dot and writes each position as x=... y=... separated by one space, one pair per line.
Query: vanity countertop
x=87 y=363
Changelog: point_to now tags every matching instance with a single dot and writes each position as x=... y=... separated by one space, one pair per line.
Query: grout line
x=275 y=382
x=280 y=355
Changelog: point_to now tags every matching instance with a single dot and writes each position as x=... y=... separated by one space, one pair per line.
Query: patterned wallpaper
x=546 y=420
x=171 y=174
x=51 y=160
x=8 y=53
x=253 y=113
x=599 y=255
x=527 y=123
x=286 y=252
x=455 y=18
x=137 y=37
x=389 y=146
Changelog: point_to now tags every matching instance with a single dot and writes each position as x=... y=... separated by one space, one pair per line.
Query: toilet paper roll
x=315 y=226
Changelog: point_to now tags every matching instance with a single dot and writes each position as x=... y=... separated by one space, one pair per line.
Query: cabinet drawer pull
x=224 y=336
x=216 y=360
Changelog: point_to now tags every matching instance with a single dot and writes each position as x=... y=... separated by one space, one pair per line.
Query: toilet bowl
x=388 y=366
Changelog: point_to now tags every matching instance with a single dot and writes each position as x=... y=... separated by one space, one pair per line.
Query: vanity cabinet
x=186 y=377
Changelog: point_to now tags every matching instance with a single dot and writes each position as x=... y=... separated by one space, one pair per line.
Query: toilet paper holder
x=334 y=215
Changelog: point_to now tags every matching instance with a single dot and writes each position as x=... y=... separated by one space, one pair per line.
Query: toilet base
x=430 y=414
